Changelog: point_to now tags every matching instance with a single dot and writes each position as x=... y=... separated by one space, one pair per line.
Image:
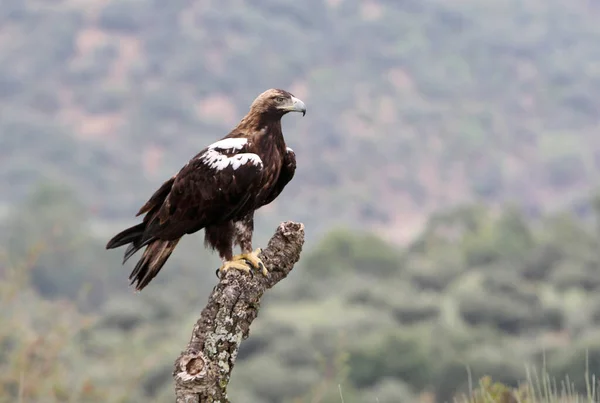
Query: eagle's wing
x=210 y=188
x=285 y=176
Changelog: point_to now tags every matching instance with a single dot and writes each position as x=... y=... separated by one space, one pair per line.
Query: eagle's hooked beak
x=296 y=105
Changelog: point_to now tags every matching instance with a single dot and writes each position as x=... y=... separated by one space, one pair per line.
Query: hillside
x=412 y=105
x=476 y=291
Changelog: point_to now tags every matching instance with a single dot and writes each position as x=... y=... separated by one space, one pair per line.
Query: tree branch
x=203 y=370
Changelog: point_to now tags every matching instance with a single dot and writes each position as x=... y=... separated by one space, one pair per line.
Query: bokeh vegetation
x=426 y=119
x=481 y=292
x=413 y=105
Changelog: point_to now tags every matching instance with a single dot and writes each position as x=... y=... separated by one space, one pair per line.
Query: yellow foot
x=233 y=265
x=253 y=259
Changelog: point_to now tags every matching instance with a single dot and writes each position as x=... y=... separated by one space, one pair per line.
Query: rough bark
x=203 y=370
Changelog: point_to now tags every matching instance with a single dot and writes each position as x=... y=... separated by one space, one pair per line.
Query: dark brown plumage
x=218 y=190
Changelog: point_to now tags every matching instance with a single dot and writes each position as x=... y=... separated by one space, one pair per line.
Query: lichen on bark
x=203 y=369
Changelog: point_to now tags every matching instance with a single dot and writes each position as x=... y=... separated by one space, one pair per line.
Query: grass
x=538 y=388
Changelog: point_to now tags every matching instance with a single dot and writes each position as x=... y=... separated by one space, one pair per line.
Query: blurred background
x=447 y=173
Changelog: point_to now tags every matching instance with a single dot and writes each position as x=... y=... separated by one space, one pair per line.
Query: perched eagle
x=218 y=190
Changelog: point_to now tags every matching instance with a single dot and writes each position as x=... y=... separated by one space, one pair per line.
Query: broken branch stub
x=203 y=370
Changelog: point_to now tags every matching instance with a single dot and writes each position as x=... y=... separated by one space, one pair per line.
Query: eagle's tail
x=153 y=259
x=129 y=235
x=133 y=236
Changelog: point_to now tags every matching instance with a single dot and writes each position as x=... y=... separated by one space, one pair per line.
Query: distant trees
x=429 y=101
x=374 y=317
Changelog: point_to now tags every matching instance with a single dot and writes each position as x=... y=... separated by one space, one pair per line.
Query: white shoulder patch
x=245 y=158
x=216 y=160
x=229 y=144
x=289 y=150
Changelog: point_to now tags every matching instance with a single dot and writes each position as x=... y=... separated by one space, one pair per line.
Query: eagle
x=218 y=190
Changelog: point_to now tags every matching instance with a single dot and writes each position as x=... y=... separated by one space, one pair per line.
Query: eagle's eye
x=280 y=99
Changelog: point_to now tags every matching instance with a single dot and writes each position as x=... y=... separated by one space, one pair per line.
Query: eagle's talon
x=253 y=260
x=233 y=264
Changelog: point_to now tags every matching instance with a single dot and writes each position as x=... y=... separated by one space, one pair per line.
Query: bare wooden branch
x=203 y=370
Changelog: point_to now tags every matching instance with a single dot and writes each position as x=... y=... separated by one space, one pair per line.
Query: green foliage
x=54 y=222
x=508 y=237
x=426 y=104
x=445 y=309
x=416 y=310
x=341 y=251
x=35 y=336
x=360 y=315
x=496 y=392
x=579 y=363
x=394 y=355
x=536 y=388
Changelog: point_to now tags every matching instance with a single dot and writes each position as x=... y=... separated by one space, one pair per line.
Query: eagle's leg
x=243 y=237
x=219 y=237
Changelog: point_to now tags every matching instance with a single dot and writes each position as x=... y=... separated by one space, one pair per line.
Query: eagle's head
x=276 y=103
